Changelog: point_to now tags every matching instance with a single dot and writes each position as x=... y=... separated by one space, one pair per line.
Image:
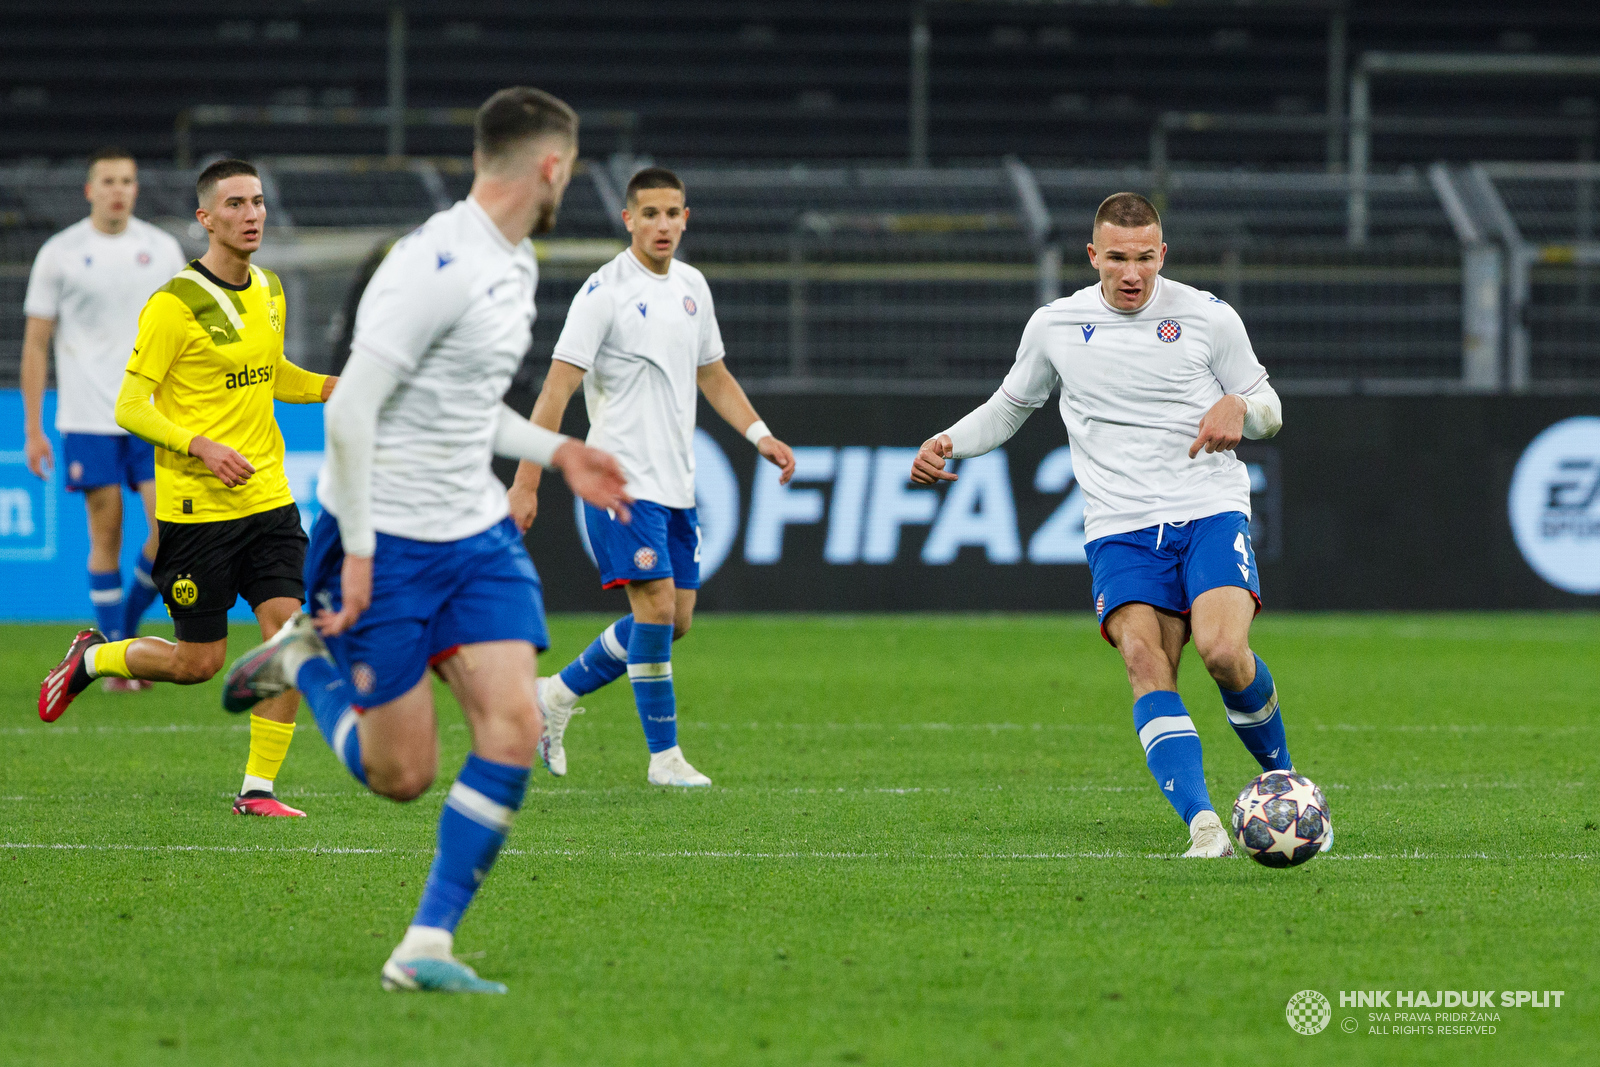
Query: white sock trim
x=613 y=647
x=253 y=783
x=1162 y=727
x=651 y=672
x=1255 y=718
x=103 y=597
x=341 y=732
x=479 y=808
x=89 y=659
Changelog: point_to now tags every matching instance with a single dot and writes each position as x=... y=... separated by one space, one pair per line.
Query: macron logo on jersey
x=642 y=309
x=445 y=259
x=593 y=285
x=1088 y=332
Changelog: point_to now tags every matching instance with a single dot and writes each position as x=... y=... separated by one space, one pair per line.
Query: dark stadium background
x=882 y=192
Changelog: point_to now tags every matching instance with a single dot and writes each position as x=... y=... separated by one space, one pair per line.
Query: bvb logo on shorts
x=1308 y=1012
x=185 y=592
x=645 y=559
x=364 y=676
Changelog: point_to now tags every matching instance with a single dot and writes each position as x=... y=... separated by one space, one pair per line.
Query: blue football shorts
x=1169 y=565
x=96 y=459
x=428 y=599
x=660 y=542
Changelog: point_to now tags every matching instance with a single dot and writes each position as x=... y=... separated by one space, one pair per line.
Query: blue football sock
x=650 y=671
x=141 y=593
x=1172 y=751
x=476 y=818
x=105 y=593
x=328 y=694
x=603 y=662
x=1253 y=711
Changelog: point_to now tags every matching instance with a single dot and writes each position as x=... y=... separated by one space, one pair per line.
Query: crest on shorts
x=364 y=676
x=185 y=592
x=645 y=559
x=1169 y=330
x=689 y=305
x=1100 y=604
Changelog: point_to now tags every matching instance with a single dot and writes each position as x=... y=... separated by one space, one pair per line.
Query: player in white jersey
x=414 y=561
x=89 y=283
x=642 y=339
x=1158 y=386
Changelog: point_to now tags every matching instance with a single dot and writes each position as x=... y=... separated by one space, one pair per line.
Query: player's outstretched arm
x=294 y=384
x=351 y=421
x=560 y=383
x=593 y=475
x=1236 y=417
x=727 y=398
x=35 y=370
x=928 y=467
x=983 y=429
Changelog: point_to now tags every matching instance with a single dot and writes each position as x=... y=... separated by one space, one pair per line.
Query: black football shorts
x=203 y=567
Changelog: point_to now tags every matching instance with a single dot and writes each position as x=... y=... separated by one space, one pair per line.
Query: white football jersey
x=449 y=312
x=1134 y=387
x=642 y=337
x=94 y=285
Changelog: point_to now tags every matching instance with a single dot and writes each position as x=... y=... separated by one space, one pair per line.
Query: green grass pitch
x=932 y=840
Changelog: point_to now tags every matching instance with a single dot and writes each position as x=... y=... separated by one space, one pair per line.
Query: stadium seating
x=1078 y=83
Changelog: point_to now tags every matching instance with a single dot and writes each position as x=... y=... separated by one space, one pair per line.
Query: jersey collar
x=646 y=271
x=475 y=209
x=1155 y=294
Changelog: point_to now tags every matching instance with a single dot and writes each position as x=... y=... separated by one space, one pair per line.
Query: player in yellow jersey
x=206 y=366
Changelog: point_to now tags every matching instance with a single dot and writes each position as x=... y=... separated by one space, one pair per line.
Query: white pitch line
x=736 y=854
x=45 y=730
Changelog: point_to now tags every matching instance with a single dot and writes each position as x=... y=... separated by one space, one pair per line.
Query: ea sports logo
x=1308 y=1012
x=1555 y=505
x=185 y=592
x=645 y=559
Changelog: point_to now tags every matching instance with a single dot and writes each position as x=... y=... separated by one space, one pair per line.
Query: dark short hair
x=519 y=114
x=1125 y=209
x=222 y=168
x=108 y=153
x=652 y=178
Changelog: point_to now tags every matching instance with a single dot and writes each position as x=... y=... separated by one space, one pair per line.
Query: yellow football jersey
x=216 y=354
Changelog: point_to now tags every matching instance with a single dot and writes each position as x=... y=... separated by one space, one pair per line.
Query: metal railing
x=920 y=279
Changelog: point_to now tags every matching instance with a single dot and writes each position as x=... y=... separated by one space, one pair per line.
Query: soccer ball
x=1281 y=819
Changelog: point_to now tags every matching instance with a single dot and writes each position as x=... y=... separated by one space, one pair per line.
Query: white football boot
x=423 y=962
x=559 y=705
x=670 y=768
x=1208 y=839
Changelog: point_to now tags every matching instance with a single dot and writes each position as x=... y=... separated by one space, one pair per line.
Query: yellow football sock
x=269 y=744
x=111 y=659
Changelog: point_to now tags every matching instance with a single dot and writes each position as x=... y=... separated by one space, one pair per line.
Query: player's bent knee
x=198 y=663
x=400 y=783
x=679 y=629
x=1226 y=659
